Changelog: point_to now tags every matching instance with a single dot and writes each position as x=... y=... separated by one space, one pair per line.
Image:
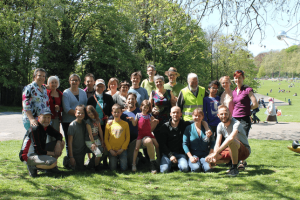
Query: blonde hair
x=112 y=80
x=224 y=77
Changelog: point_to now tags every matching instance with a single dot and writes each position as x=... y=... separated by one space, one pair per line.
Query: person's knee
x=164 y=168
x=147 y=142
x=184 y=168
x=195 y=168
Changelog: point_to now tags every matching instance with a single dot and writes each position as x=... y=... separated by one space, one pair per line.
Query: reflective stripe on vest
x=191 y=102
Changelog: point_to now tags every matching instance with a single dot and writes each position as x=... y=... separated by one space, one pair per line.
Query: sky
x=271 y=31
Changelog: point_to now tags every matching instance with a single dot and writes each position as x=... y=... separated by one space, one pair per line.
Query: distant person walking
x=271 y=112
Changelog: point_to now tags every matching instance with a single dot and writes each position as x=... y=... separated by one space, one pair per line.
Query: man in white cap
x=36 y=152
x=149 y=84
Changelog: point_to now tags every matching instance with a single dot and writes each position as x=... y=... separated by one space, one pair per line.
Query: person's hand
x=173 y=159
x=33 y=122
x=208 y=133
x=93 y=147
x=57 y=108
x=109 y=122
x=156 y=121
x=112 y=152
x=72 y=162
x=130 y=118
x=193 y=159
x=120 y=151
x=211 y=158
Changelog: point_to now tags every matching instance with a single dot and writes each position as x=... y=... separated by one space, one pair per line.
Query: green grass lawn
x=289 y=113
x=272 y=174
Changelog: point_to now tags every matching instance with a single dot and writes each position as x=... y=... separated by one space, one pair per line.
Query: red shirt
x=58 y=101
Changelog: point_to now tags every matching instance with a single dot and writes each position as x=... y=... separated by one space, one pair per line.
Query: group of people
x=185 y=127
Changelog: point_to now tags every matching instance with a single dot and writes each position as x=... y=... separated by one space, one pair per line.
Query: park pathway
x=11 y=128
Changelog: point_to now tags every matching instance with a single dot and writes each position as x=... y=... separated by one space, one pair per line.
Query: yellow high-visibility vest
x=191 y=102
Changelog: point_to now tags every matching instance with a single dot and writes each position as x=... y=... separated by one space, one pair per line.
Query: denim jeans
x=113 y=161
x=199 y=166
x=166 y=164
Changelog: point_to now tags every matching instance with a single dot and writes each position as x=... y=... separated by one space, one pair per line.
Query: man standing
x=172 y=84
x=191 y=97
x=89 y=81
x=35 y=151
x=170 y=142
x=140 y=92
x=235 y=147
x=149 y=84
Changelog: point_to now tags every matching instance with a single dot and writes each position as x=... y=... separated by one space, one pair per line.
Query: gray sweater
x=69 y=101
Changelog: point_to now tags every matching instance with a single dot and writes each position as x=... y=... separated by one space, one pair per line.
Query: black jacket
x=170 y=139
x=107 y=103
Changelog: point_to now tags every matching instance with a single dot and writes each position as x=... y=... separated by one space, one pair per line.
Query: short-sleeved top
x=149 y=86
x=95 y=129
x=78 y=131
x=210 y=109
x=175 y=89
x=117 y=135
x=141 y=94
x=34 y=100
x=163 y=104
x=234 y=125
x=133 y=129
x=241 y=102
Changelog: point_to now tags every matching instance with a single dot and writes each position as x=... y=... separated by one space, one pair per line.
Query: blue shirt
x=194 y=144
x=210 y=109
x=141 y=94
x=133 y=129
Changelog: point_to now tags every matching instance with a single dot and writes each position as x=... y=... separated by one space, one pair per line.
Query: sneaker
x=66 y=162
x=233 y=172
x=32 y=170
x=153 y=167
x=242 y=165
x=53 y=170
x=133 y=168
x=87 y=162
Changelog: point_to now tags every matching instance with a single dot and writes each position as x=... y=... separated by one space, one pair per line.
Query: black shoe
x=153 y=167
x=233 y=172
x=66 y=162
x=32 y=170
x=53 y=170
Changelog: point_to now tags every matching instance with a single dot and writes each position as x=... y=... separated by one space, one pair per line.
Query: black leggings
x=65 y=126
x=245 y=122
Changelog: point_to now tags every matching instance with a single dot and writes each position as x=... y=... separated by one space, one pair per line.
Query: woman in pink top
x=226 y=97
x=242 y=98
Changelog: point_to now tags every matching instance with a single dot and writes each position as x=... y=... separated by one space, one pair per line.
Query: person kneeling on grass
x=94 y=132
x=76 y=141
x=36 y=152
x=117 y=137
x=144 y=126
x=235 y=147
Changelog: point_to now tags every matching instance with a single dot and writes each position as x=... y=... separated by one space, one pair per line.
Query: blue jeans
x=199 y=166
x=166 y=164
x=113 y=161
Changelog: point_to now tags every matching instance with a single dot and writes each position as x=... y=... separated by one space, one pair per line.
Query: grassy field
x=289 y=113
x=272 y=177
x=10 y=109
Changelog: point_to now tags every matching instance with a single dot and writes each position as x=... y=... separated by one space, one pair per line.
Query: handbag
x=104 y=119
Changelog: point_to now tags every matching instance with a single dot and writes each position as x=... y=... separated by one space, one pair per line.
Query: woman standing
x=271 y=111
x=55 y=101
x=102 y=102
x=112 y=86
x=226 y=97
x=72 y=97
x=162 y=99
x=34 y=99
x=120 y=97
x=242 y=98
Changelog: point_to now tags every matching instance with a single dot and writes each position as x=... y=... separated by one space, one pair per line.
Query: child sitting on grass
x=144 y=127
x=117 y=137
x=94 y=132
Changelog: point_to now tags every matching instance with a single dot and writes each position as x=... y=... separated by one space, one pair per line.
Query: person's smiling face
x=40 y=78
